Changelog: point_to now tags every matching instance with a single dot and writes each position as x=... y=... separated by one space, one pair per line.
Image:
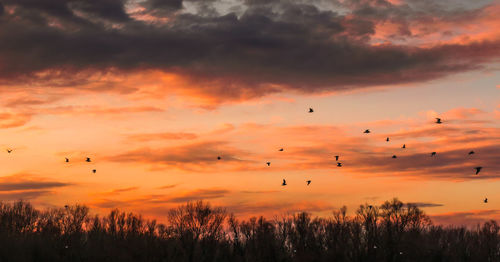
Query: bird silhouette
x=9 y=150
x=66 y=159
x=387 y=139
x=268 y=163
x=394 y=156
x=336 y=158
x=472 y=152
x=404 y=146
x=281 y=149
x=311 y=110
x=88 y=159
x=339 y=164
x=308 y=182
x=485 y=200
x=438 y=120
x=218 y=158
x=367 y=131
x=478 y=169
x=94 y=171
x=433 y=154
x=284 y=182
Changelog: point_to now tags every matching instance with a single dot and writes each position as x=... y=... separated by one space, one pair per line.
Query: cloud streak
x=468 y=218
x=26 y=186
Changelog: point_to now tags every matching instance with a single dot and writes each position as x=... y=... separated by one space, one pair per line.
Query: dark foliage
x=198 y=232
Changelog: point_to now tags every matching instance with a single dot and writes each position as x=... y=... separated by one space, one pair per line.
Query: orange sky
x=154 y=126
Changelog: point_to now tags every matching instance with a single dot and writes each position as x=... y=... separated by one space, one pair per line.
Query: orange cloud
x=97 y=110
x=162 y=136
x=11 y=120
x=195 y=156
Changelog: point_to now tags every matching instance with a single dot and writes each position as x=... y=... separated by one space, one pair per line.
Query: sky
x=154 y=91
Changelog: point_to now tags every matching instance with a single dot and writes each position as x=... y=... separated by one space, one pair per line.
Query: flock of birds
x=88 y=160
x=367 y=131
x=308 y=182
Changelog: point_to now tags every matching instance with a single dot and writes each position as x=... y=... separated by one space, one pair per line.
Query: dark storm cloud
x=294 y=45
x=106 y=9
x=163 y=7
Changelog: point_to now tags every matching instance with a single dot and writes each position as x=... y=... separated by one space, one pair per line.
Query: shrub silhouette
x=197 y=231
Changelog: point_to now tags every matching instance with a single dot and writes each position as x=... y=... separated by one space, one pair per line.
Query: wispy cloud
x=194 y=156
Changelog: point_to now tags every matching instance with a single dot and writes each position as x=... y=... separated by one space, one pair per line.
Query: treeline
x=199 y=232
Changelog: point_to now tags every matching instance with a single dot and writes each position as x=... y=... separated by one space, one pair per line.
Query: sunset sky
x=153 y=91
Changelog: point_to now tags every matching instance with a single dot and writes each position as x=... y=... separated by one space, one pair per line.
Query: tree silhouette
x=196 y=231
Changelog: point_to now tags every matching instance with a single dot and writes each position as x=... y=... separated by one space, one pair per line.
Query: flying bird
x=9 y=150
x=218 y=158
x=367 y=131
x=472 y=152
x=94 y=171
x=284 y=182
x=268 y=163
x=88 y=159
x=66 y=159
x=404 y=146
x=438 y=120
x=394 y=156
x=339 y=164
x=308 y=182
x=311 y=110
x=478 y=169
x=336 y=158
x=433 y=154
x=485 y=200
x=281 y=149
x=387 y=139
